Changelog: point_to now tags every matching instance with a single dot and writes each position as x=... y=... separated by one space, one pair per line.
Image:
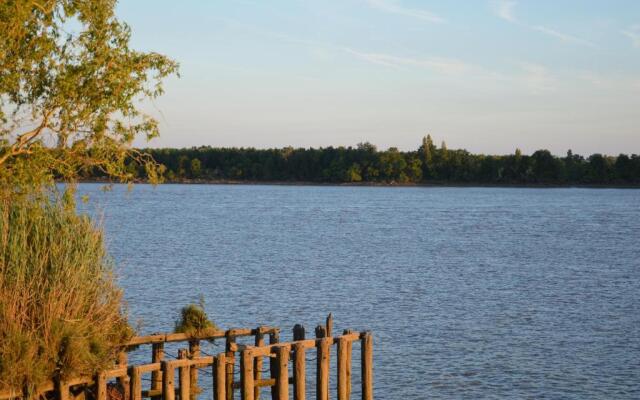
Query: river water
x=470 y=292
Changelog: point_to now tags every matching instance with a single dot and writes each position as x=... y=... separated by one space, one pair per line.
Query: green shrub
x=61 y=314
x=194 y=321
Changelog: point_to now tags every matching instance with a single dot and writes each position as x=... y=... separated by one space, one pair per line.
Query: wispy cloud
x=392 y=6
x=633 y=33
x=537 y=78
x=439 y=64
x=504 y=9
x=562 y=36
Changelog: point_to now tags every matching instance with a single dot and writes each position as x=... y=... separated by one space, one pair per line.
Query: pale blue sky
x=484 y=75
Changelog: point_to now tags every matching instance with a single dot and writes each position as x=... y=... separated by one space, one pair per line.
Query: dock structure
x=178 y=378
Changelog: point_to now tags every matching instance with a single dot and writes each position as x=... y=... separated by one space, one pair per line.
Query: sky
x=489 y=76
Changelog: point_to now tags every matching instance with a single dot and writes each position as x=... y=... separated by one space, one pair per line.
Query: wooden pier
x=178 y=379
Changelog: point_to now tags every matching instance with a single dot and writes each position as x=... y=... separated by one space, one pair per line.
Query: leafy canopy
x=69 y=89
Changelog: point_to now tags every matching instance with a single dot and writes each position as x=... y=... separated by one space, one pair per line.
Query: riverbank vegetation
x=365 y=163
x=69 y=90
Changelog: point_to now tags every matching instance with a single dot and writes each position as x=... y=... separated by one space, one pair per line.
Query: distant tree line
x=365 y=163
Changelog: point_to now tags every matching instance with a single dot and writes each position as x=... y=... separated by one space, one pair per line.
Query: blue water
x=470 y=292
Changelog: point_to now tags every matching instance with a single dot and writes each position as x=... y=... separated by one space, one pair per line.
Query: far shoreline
x=380 y=184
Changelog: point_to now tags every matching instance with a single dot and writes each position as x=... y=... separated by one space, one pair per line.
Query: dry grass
x=61 y=313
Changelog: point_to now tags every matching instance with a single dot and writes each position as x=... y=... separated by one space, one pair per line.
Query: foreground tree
x=68 y=100
x=69 y=85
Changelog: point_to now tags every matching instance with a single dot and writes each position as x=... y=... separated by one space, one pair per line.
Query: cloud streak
x=392 y=6
x=633 y=33
x=562 y=36
x=505 y=9
x=438 y=64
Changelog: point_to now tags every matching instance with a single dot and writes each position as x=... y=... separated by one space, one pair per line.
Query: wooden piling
x=184 y=376
x=136 y=383
x=230 y=356
x=194 y=352
x=321 y=331
x=282 y=379
x=298 y=332
x=322 y=370
x=257 y=363
x=329 y=325
x=246 y=375
x=299 y=377
x=157 y=355
x=219 y=377
x=274 y=337
x=343 y=362
x=62 y=389
x=124 y=381
x=349 y=360
x=367 y=366
x=168 y=384
x=101 y=386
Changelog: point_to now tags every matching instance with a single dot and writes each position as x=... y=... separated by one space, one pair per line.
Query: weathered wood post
x=367 y=366
x=168 y=384
x=230 y=356
x=322 y=371
x=157 y=355
x=349 y=360
x=282 y=379
x=136 y=383
x=184 y=375
x=321 y=331
x=299 y=377
x=298 y=332
x=343 y=362
x=62 y=389
x=219 y=377
x=257 y=361
x=123 y=381
x=274 y=337
x=194 y=352
x=101 y=386
x=329 y=325
x=246 y=374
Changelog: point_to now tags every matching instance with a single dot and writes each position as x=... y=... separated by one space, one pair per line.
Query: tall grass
x=61 y=314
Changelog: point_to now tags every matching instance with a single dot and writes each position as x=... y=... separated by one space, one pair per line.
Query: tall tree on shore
x=74 y=92
x=427 y=150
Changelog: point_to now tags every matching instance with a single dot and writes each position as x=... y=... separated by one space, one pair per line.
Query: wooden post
x=349 y=361
x=136 y=383
x=343 y=378
x=298 y=332
x=184 y=376
x=322 y=371
x=246 y=375
x=329 y=325
x=194 y=352
x=367 y=366
x=299 y=378
x=101 y=386
x=257 y=363
x=282 y=379
x=157 y=355
x=274 y=337
x=168 y=385
x=230 y=356
x=219 y=377
x=62 y=388
x=123 y=381
x=321 y=331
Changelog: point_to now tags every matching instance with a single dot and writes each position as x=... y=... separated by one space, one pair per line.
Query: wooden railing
x=178 y=378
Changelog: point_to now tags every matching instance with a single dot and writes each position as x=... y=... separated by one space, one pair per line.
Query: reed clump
x=194 y=321
x=61 y=313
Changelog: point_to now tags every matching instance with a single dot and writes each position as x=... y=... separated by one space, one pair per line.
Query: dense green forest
x=365 y=163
